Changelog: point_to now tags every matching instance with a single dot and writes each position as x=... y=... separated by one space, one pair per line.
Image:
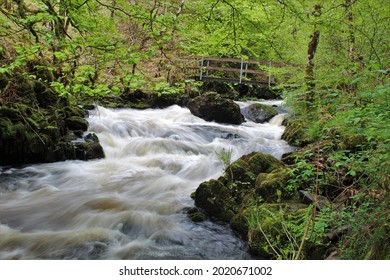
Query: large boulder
x=213 y=107
x=259 y=113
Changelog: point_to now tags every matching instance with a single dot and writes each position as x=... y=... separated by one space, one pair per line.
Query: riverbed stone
x=213 y=107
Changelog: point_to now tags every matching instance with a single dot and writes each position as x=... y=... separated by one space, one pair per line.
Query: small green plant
x=302 y=175
x=225 y=156
x=165 y=88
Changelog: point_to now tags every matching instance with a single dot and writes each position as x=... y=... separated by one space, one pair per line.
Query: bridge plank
x=234 y=81
x=238 y=70
x=202 y=65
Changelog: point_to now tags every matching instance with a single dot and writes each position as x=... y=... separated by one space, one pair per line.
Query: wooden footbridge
x=233 y=70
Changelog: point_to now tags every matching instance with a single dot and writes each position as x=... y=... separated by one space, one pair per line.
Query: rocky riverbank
x=36 y=125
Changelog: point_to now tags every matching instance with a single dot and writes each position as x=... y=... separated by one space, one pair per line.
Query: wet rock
x=259 y=113
x=213 y=107
x=163 y=100
x=91 y=137
x=89 y=107
x=88 y=151
x=215 y=199
x=77 y=123
x=228 y=195
x=75 y=111
x=196 y=215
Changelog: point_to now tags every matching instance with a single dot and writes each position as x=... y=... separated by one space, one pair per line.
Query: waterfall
x=131 y=204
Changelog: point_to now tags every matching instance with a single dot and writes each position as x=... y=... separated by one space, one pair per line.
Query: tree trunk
x=351 y=33
x=312 y=47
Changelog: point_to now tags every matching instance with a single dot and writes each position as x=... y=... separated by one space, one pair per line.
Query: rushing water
x=130 y=205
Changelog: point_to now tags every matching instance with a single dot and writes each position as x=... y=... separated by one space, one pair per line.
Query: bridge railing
x=204 y=68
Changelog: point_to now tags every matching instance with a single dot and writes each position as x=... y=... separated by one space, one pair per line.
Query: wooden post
x=242 y=65
x=269 y=74
x=201 y=68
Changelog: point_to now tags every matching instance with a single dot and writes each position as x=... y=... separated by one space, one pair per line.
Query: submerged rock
x=213 y=107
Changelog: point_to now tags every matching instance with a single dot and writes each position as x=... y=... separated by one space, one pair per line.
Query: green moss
x=45 y=96
x=10 y=113
x=77 y=123
x=295 y=133
x=260 y=162
x=246 y=168
x=215 y=199
x=74 y=111
x=271 y=186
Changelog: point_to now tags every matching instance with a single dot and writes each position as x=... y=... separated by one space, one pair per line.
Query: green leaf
x=5 y=70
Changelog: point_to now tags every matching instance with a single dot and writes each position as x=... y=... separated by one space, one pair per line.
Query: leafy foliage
x=96 y=48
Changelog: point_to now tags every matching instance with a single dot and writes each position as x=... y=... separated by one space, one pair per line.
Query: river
x=131 y=204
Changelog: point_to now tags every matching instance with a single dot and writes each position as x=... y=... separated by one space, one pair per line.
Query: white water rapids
x=131 y=204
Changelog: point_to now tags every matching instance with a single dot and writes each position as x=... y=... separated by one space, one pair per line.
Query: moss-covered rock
x=196 y=215
x=45 y=96
x=77 y=123
x=34 y=120
x=295 y=134
x=4 y=81
x=88 y=150
x=213 y=107
x=262 y=92
x=271 y=186
x=215 y=199
x=232 y=193
x=252 y=197
x=10 y=113
x=163 y=100
x=259 y=113
x=75 y=111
